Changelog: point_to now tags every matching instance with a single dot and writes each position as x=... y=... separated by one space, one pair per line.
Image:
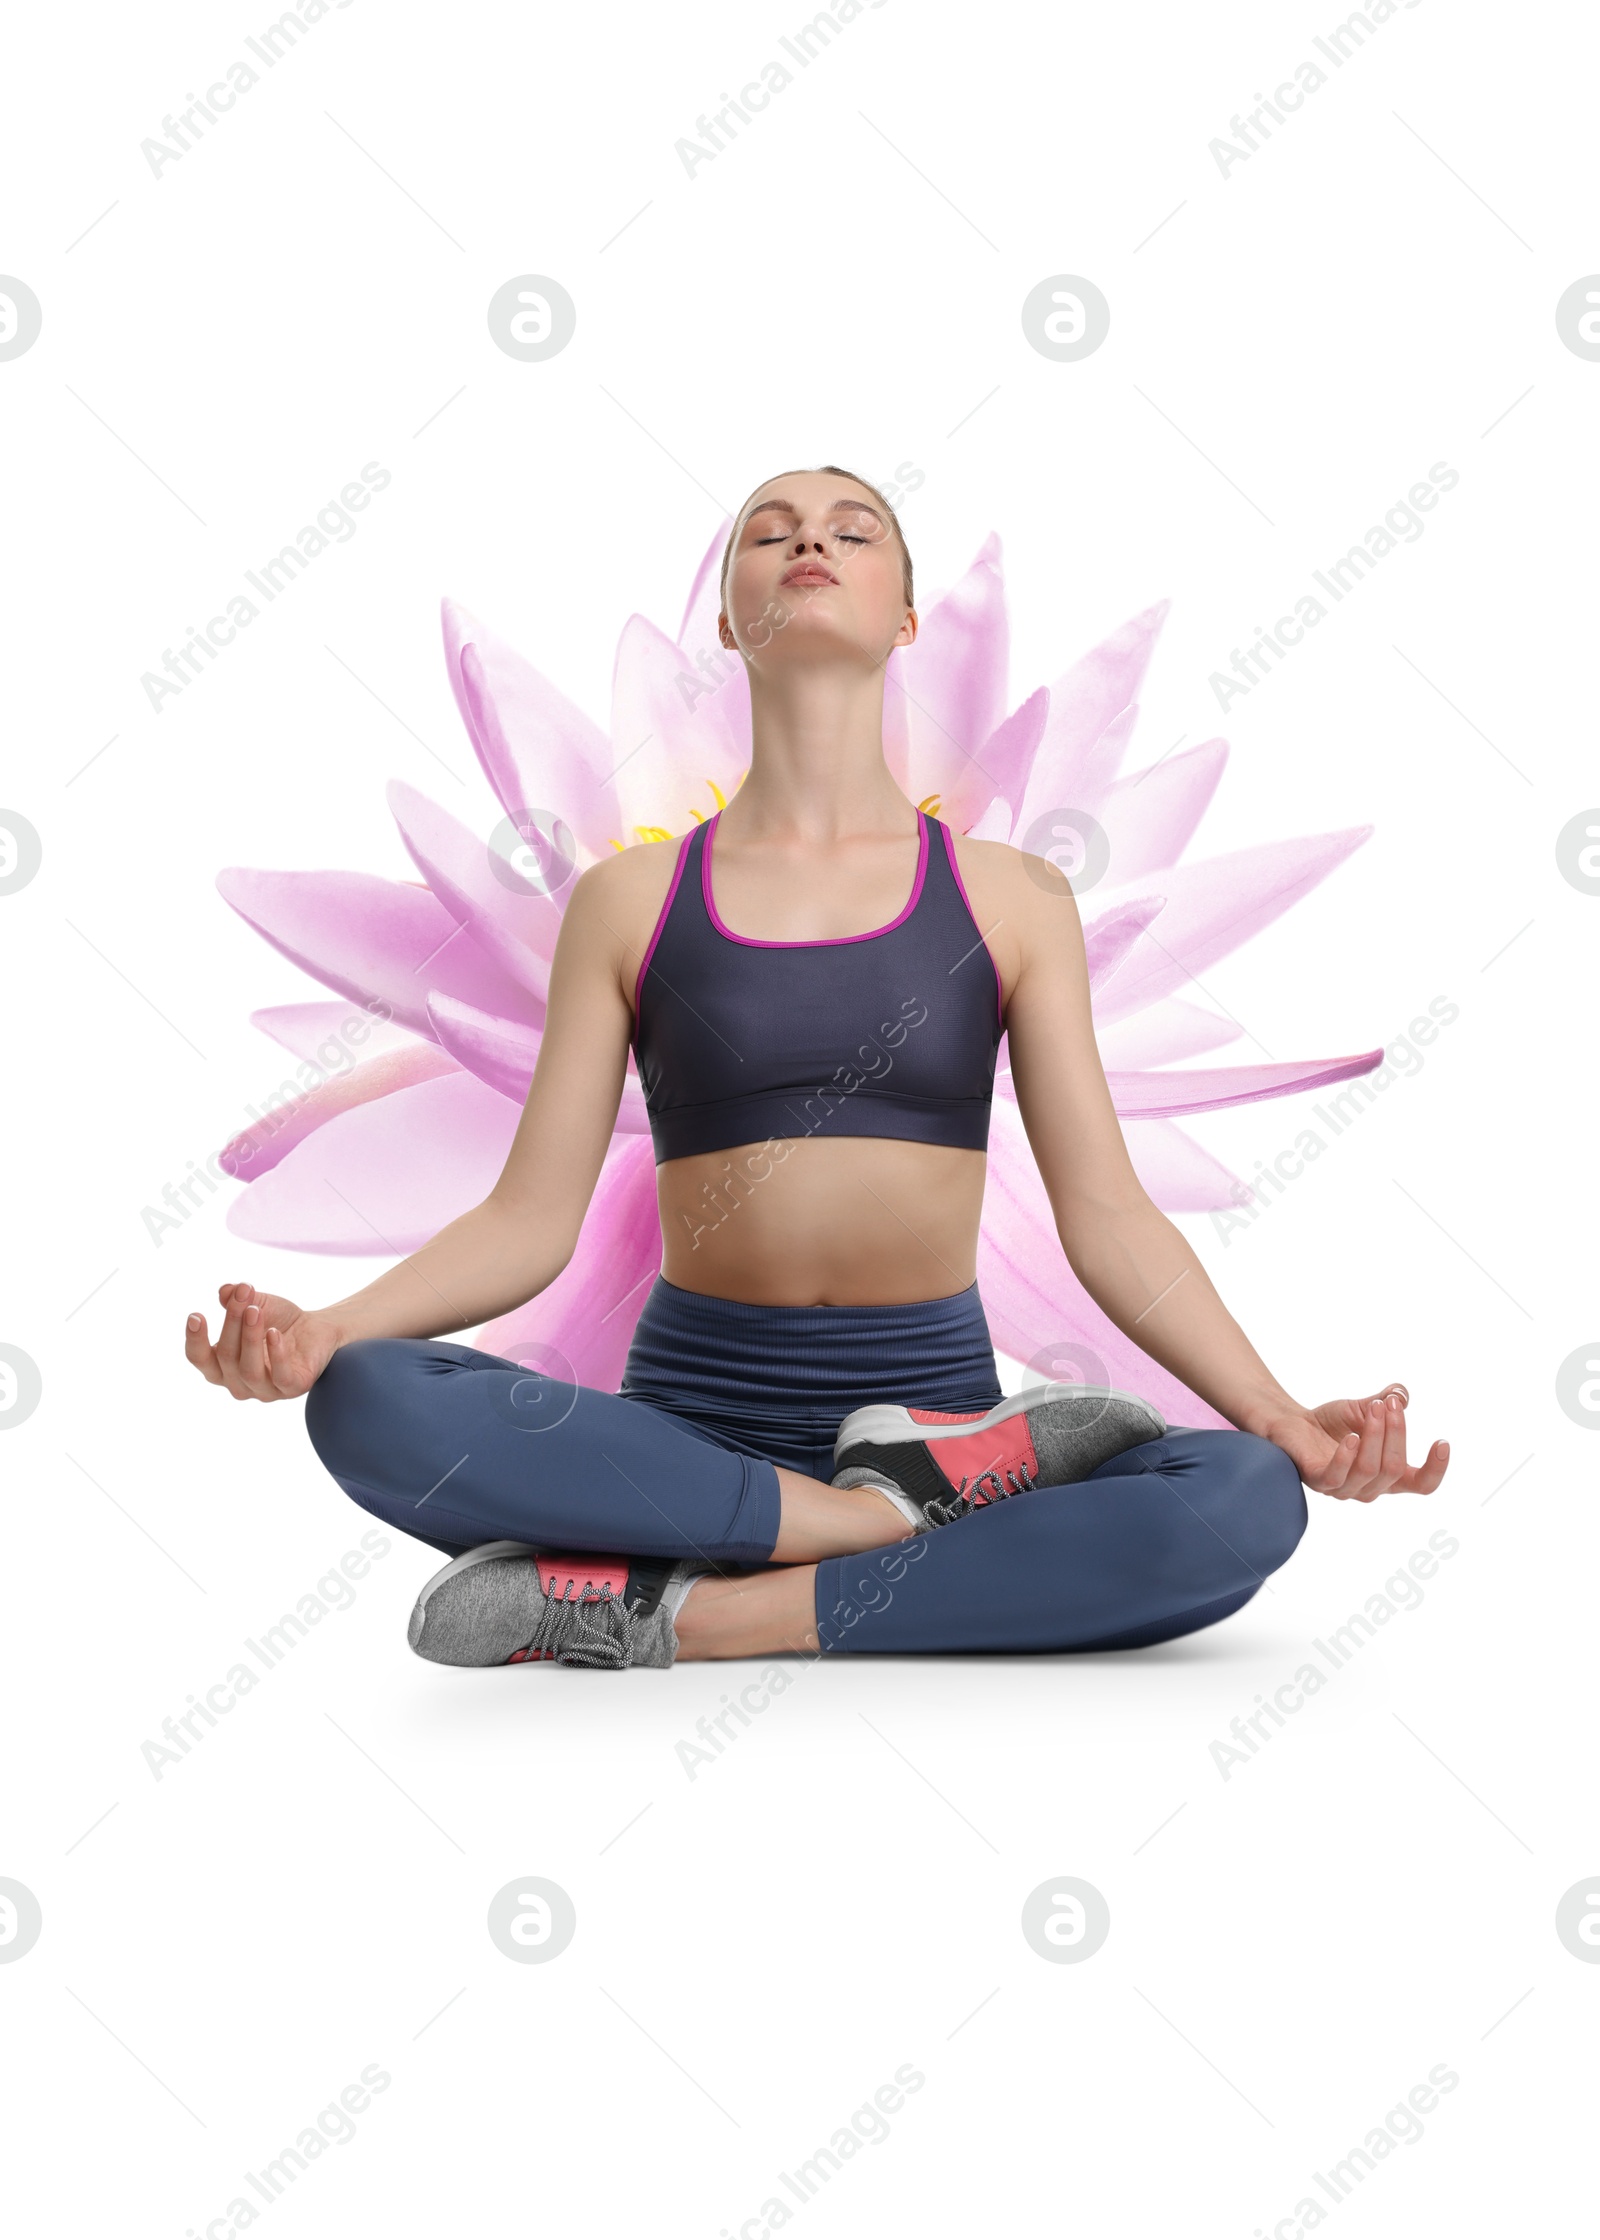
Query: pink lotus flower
x=379 y=1159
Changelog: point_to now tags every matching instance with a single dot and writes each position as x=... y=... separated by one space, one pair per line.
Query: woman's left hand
x=1356 y=1449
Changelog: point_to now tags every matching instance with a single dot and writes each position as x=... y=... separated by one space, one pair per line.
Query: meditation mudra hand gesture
x=1356 y=1449
x=810 y=1450
x=267 y=1348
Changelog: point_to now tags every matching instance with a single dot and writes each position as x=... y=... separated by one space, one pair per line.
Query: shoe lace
x=567 y=1633
x=980 y=1491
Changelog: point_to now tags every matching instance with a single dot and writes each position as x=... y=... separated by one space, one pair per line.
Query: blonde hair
x=894 y=521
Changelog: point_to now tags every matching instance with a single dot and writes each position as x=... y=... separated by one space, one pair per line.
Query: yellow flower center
x=660 y=832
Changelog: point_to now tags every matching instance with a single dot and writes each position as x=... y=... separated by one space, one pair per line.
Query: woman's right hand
x=267 y=1347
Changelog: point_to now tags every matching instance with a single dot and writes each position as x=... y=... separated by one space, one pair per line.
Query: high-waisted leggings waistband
x=726 y=1358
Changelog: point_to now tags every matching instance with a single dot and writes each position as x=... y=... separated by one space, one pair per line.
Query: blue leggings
x=457 y=1447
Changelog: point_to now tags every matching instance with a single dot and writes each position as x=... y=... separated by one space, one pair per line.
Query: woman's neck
x=817 y=766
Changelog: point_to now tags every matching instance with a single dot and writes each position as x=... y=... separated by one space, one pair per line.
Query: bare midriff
x=857 y=1221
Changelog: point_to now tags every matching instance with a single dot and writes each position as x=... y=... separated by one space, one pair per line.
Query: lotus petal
x=481 y=889
x=999 y=769
x=1083 y=701
x=1214 y=1088
x=375 y=941
x=1179 y=1175
x=1162 y=1032
x=1214 y=906
x=500 y=1052
x=1076 y=785
x=1108 y=940
x=1031 y=1296
x=269 y=1140
x=582 y=1325
x=952 y=680
x=728 y=706
x=503 y=1055
x=994 y=824
x=306 y=1028
x=1150 y=817
x=704 y=603
x=1141 y=1095
x=538 y=751
x=385 y=1177
x=670 y=752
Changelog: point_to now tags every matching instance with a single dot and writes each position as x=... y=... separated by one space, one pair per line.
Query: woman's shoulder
x=1005 y=876
x=1015 y=899
x=626 y=890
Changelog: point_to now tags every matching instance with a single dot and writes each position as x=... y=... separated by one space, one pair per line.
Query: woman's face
x=815 y=571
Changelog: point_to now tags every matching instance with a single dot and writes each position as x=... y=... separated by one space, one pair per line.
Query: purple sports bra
x=890 y=1033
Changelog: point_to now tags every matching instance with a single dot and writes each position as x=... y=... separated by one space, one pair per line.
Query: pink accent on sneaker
x=934 y=1415
x=575 y=1579
x=1005 y=1447
x=582 y=1578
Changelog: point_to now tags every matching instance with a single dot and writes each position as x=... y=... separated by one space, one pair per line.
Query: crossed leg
x=458 y=1447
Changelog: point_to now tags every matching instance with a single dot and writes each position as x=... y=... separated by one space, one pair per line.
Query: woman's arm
x=1133 y=1262
x=508 y=1249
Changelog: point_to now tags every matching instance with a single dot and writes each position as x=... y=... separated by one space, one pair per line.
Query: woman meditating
x=810 y=1449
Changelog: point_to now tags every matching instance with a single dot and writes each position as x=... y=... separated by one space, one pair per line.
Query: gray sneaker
x=943 y=1465
x=506 y=1603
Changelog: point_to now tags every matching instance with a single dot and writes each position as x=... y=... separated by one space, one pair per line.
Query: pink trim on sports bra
x=666 y=907
x=829 y=941
x=961 y=888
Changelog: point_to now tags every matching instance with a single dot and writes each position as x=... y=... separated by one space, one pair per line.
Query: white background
x=1368 y=1897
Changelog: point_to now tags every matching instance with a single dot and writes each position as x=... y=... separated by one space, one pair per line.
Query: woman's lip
x=809 y=575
